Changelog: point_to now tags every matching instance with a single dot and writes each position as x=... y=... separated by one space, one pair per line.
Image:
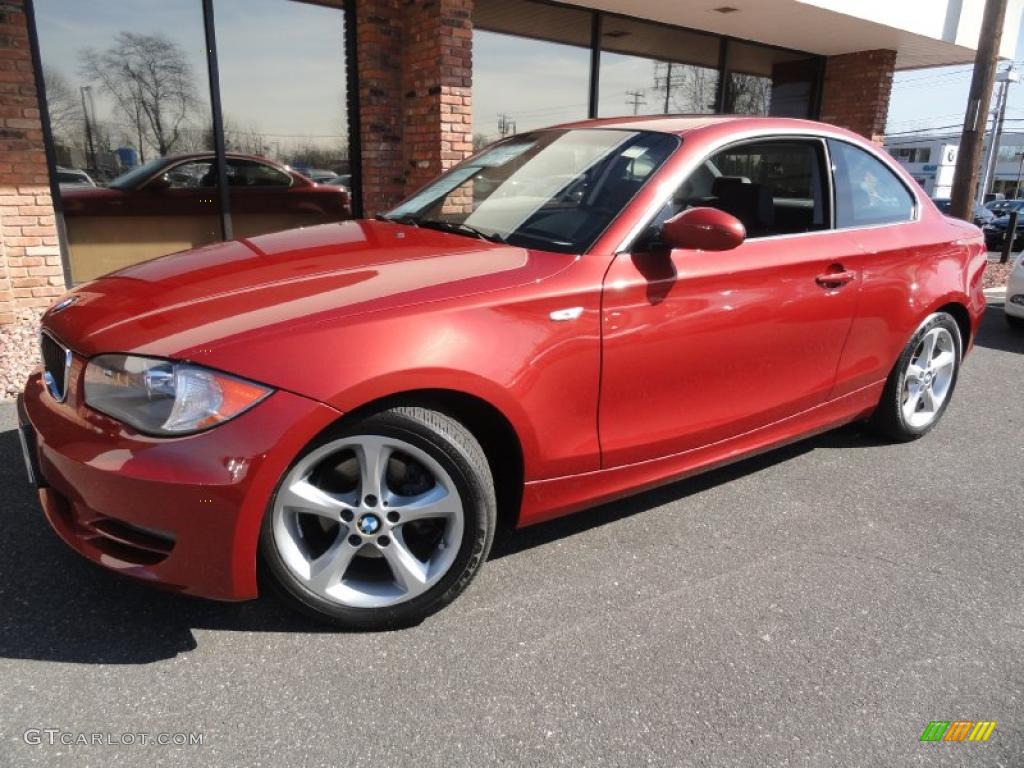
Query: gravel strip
x=996 y=274
x=19 y=352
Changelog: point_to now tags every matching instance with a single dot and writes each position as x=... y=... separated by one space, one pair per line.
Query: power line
x=636 y=99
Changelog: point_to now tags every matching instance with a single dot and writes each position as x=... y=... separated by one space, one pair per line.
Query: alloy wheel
x=929 y=377
x=368 y=521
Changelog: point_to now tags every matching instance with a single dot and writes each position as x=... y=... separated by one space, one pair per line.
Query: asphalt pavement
x=815 y=606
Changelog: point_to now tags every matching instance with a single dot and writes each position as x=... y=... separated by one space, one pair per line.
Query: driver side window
x=194 y=175
x=774 y=187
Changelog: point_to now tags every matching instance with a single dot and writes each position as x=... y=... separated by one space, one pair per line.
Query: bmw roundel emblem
x=63 y=304
x=369 y=524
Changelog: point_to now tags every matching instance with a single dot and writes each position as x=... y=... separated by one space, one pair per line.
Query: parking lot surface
x=815 y=606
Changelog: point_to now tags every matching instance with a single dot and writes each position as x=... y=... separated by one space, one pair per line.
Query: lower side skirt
x=547 y=499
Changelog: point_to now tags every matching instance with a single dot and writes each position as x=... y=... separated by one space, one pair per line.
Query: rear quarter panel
x=908 y=271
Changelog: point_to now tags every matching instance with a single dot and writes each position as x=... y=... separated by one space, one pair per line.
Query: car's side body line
x=547 y=499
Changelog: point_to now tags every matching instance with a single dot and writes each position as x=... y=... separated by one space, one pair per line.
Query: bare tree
x=748 y=94
x=151 y=83
x=248 y=140
x=683 y=87
x=700 y=86
x=64 y=106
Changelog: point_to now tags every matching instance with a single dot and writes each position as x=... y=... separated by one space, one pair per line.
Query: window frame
x=824 y=169
x=890 y=166
x=639 y=231
x=675 y=177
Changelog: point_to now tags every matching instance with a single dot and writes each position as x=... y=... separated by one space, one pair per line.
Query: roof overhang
x=924 y=33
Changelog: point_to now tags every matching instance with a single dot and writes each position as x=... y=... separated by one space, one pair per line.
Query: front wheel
x=921 y=383
x=1015 y=322
x=382 y=522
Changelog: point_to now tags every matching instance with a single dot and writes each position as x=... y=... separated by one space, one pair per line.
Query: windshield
x=131 y=179
x=555 y=190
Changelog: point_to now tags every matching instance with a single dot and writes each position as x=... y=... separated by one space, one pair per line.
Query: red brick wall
x=856 y=91
x=30 y=268
x=415 y=102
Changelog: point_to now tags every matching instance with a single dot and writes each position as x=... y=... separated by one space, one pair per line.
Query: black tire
x=453 y=446
x=888 y=419
x=1017 y=323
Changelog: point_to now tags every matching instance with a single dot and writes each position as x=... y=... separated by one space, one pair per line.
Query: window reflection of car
x=319 y=175
x=73 y=177
x=171 y=203
x=343 y=180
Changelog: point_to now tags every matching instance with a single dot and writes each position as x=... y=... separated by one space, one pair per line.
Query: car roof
x=681 y=125
x=211 y=153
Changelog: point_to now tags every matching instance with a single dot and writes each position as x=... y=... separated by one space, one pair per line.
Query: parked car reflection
x=980 y=214
x=171 y=204
x=73 y=177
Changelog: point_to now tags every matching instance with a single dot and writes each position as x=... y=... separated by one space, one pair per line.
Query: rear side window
x=867 y=193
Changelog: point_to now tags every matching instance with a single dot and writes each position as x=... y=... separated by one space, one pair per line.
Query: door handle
x=836 y=279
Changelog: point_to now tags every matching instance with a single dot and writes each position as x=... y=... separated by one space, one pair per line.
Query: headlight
x=161 y=397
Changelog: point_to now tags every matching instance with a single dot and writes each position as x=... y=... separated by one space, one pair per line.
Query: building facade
x=136 y=128
x=931 y=160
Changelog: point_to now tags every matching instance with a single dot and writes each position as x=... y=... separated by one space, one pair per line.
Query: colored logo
x=958 y=730
x=369 y=524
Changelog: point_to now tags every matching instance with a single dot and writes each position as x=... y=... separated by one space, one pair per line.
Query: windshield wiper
x=408 y=219
x=458 y=228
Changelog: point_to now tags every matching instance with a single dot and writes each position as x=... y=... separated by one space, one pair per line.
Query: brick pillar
x=30 y=268
x=415 y=102
x=856 y=91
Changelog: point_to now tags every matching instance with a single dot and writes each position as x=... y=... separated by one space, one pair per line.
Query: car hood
x=189 y=304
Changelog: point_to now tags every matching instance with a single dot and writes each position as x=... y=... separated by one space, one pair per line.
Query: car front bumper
x=182 y=513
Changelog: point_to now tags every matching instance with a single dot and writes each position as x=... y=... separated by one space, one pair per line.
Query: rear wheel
x=921 y=383
x=383 y=522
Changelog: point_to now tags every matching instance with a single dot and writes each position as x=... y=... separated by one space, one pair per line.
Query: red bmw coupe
x=346 y=413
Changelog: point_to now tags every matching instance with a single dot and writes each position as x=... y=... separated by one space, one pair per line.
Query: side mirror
x=704 y=229
x=159 y=184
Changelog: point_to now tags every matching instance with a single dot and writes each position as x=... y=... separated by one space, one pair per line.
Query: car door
x=701 y=346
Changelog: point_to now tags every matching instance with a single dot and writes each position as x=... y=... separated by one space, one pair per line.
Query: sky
x=937 y=97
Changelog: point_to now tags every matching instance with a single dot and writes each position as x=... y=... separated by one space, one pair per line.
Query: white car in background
x=1014 y=303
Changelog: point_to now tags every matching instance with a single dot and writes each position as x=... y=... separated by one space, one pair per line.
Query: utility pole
x=637 y=99
x=506 y=125
x=978 y=101
x=90 y=147
x=668 y=86
x=1010 y=75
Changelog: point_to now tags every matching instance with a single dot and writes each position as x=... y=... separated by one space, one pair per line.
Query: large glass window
x=127 y=88
x=651 y=69
x=531 y=67
x=770 y=81
x=283 y=92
